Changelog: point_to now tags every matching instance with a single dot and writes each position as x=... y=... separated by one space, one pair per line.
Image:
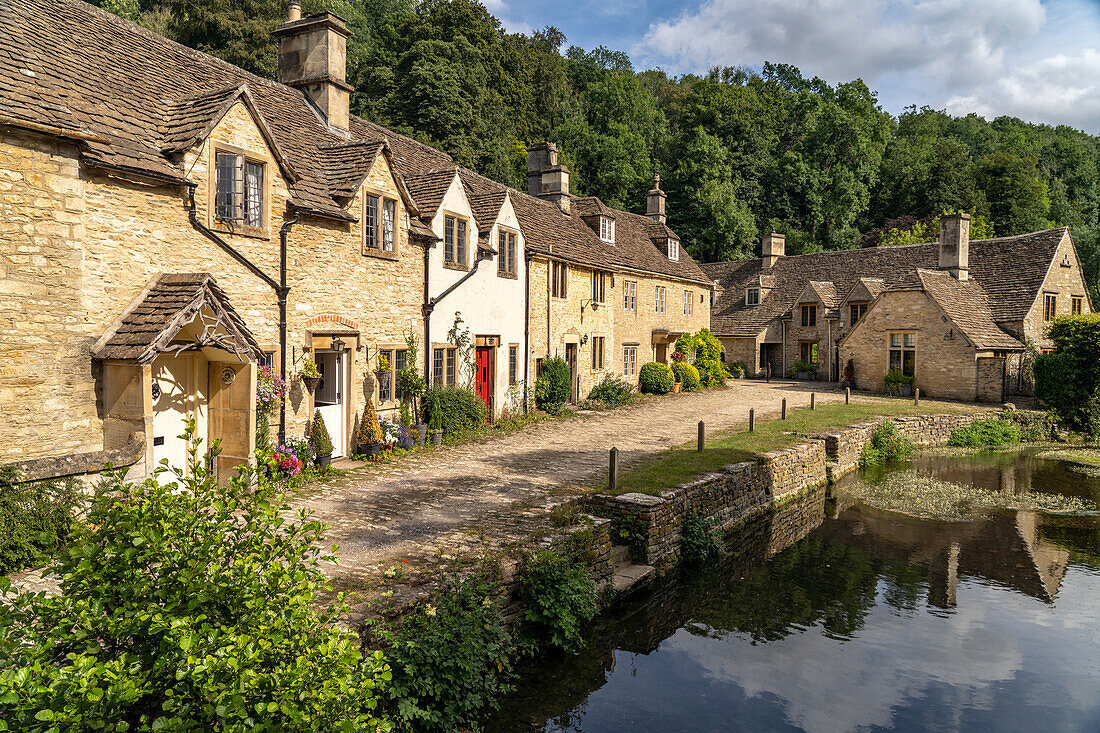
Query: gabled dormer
x=599 y=218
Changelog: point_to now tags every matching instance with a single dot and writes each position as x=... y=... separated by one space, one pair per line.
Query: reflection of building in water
x=1007 y=550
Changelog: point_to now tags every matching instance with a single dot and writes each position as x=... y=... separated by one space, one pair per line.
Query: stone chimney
x=772 y=247
x=954 y=245
x=546 y=178
x=313 y=57
x=655 y=202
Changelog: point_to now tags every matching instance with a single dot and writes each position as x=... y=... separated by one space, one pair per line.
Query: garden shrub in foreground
x=699 y=540
x=886 y=444
x=456 y=409
x=613 y=391
x=186 y=606
x=560 y=596
x=655 y=378
x=37 y=519
x=553 y=388
x=686 y=375
x=986 y=433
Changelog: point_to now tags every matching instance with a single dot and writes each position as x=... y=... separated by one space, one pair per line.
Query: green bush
x=319 y=437
x=699 y=540
x=894 y=381
x=1034 y=426
x=804 y=367
x=886 y=444
x=36 y=519
x=560 y=596
x=737 y=369
x=686 y=375
x=707 y=347
x=451 y=661
x=712 y=373
x=685 y=345
x=454 y=409
x=655 y=378
x=613 y=391
x=990 y=432
x=1066 y=381
x=553 y=386
x=187 y=606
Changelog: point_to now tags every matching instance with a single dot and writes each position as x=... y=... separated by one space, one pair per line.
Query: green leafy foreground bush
x=886 y=444
x=986 y=433
x=553 y=386
x=686 y=375
x=560 y=596
x=613 y=391
x=455 y=409
x=186 y=607
x=36 y=519
x=699 y=540
x=655 y=378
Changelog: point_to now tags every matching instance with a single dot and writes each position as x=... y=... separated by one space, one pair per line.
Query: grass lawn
x=679 y=465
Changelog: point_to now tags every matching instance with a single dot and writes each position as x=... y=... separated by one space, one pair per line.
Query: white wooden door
x=330 y=398
x=172 y=397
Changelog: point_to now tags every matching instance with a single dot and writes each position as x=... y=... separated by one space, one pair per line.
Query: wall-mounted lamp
x=589 y=303
x=584 y=339
x=337 y=343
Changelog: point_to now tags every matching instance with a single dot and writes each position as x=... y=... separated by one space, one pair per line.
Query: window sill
x=379 y=254
x=239 y=230
x=456 y=266
x=508 y=275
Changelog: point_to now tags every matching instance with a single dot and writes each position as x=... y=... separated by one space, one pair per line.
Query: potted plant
x=804 y=370
x=676 y=386
x=897 y=384
x=321 y=441
x=413 y=386
x=309 y=375
x=435 y=428
x=849 y=375
x=369 y=435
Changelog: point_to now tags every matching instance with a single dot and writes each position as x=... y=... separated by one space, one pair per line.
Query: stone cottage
x=955 y=315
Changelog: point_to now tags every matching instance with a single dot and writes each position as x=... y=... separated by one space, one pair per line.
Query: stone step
x=630 y=576
x=620 y=556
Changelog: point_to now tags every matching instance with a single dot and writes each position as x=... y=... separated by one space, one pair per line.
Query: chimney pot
x=655 y=202
x=954 y=245
x=772 y=247
x=313 y=58
x=294 y=12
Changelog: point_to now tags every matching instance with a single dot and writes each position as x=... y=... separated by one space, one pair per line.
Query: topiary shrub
x=886 y=444
x=553 y=386
x=613 y=391
x=37 y=519
x=319 y=437
x=187 y=606
x=655 y=378
x=687 y=376
x=560 y=596
x=986 y=433
x=370 y=430
x=699 y=540
x=455 y=409
x=451 y=661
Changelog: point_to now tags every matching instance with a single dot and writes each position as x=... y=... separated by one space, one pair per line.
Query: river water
x=833 y=616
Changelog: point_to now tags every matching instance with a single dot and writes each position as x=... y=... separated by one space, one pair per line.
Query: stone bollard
x=613 y=469
x=813 y=400
x=783 y=413
x=916 y=396
x=752 y=419
x=847 y=395
x=702 y=438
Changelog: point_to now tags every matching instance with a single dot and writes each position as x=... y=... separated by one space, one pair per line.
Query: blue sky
x=1035 y=59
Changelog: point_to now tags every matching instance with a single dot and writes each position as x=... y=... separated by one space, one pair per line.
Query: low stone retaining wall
x=85 y=465
x=652 y=524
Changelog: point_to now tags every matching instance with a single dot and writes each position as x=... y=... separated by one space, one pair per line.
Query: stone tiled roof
x=967 y=304
x=428 y=189
x=1010 y=271
x=347 y=164
x=172 y=301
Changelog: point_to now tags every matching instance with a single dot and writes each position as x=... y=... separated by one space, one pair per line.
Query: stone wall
x=991 y=378
x=1064 y=279
x=636 y=327
x=742 y=490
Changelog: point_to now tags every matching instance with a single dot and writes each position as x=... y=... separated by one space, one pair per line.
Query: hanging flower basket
x=311 y=383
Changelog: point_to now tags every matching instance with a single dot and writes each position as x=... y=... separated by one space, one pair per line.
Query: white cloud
x=1022 y=57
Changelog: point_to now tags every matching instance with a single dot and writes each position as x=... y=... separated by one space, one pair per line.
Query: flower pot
x=906 y=390
x=370 y=450
x=675 y=387
x=311 y=383
x=805 y=376
x=422 y=430
x=323 y=461
x=437 y=437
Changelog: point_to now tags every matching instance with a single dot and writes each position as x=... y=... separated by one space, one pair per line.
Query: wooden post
x=783 y=414
x=813 y=400
x=702 y=438
x=847 y=395
x=613 y=470
x=752 y=419
x=768 y=373
x=916 y=396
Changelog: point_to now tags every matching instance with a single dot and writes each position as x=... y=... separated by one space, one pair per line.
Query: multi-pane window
x=451 y=363
x=607 y=229
x=689 y=302
x=856 y=312
x=1050 y=306
x=513 y=365
x=379 y=215
x=807 y=352
x=752 y=296
x=506 y=253
x=389 y=211
x=558 y=274
x=454 y=240
x=903 y=353
x=630 y=361
x=437 y=367
x=385 y=378
x=659 y=301
x=1076 y=304
x=630 y=295
x=809 y=315
x=370 y=222
x=674 y=250
x=598 y=352
x=238 y=190
x=599 y=287
x=400 y=361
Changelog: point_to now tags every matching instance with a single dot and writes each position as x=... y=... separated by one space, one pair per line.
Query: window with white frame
x=607 y=229
x=630 y=295
x=238 y=190
x=674 y=249
x=599 y=287
x=630 y=361
x=689 y=302
x=752 y=296
x=659 y=301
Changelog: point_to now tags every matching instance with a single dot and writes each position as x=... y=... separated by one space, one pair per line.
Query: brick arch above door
x=333 y=320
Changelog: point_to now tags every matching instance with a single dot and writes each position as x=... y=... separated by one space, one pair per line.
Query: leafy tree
x=1018 y=197
x=1068 y=380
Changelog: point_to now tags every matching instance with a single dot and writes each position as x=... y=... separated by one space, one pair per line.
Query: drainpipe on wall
x=526 y=324
x=783 y=354
x=429 y=305
x=426 y=312
x=282 y=293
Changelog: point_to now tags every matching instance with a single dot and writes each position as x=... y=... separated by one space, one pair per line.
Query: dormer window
x=607 y=229
x=674 y=250
x=239 y=186
x=752 y=296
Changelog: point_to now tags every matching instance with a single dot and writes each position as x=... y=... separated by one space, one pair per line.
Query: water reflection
x=833 y=616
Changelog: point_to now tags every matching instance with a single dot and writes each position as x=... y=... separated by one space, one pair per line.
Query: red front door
x=485 y=376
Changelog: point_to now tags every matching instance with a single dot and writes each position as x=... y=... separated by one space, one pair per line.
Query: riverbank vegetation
x=37 y=519
x=886 y=444
x=675 y=466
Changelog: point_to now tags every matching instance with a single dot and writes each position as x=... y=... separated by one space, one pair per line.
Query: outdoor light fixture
x=337 y=343
x=591 y=302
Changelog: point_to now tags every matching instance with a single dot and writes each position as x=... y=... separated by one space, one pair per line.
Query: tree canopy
x=741 y=151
